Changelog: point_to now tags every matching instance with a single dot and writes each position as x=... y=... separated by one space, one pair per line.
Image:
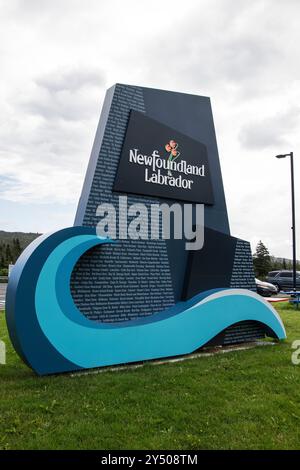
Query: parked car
x=283 y=280
x=265 y=288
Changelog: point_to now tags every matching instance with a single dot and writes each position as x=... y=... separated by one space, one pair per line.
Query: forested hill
x=11 y=246
x=24 y=238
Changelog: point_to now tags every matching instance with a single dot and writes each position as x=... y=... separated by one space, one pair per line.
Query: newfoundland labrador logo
x=160 y=170
x=171 y=148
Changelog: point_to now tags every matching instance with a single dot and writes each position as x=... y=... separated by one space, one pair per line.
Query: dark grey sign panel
x=157 y=160
x=127 y=270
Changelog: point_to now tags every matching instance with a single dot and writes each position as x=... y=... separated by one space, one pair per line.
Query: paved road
x=2 y=295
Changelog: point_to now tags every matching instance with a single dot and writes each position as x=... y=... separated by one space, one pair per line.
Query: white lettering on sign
x=156 y=163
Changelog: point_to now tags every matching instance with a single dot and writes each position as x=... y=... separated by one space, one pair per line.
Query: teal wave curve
x=73 y=342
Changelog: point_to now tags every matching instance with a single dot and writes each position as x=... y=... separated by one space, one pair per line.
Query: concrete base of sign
x=206 y=352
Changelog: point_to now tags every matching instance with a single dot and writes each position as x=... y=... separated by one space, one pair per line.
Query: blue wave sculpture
x=41 y=314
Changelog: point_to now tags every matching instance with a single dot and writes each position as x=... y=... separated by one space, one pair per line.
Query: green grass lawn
x=241 y=400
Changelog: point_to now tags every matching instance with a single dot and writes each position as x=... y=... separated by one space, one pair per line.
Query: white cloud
x=275 y=130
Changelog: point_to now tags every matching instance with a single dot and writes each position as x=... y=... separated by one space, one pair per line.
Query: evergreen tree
x=16 y=249
x=8 y=255
x=284 y=264
x=261 y=260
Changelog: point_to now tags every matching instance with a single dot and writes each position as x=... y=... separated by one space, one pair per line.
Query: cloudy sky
x=57 y=58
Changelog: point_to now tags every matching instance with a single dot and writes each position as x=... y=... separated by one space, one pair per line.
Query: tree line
x=9 y=253
x=263 y=262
